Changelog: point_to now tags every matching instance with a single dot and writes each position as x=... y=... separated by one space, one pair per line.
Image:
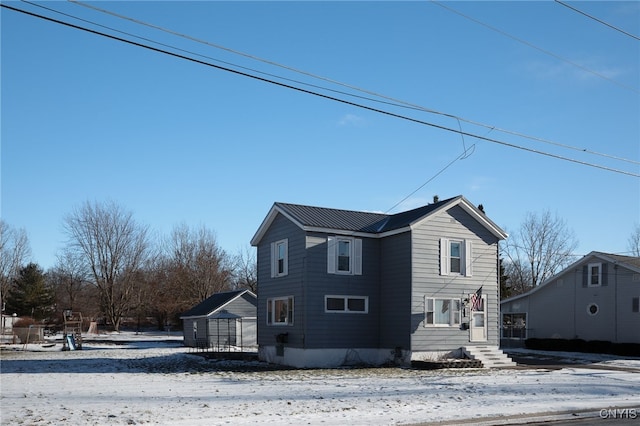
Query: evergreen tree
x=505 y=288
x=30 y=295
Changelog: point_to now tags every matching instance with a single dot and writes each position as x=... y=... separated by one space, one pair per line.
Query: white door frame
x=478 y=323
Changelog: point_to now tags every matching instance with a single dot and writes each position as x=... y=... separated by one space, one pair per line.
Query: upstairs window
x=344 y=255
x=280 y=258
x=595 y=274
x=455 y=257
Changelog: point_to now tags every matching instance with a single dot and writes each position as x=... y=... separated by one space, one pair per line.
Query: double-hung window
x=455 y=257
x=279 y=258
x=344 y=255
x=442 y=312
x=280 y=311
x=346 y=304
x=595 y=274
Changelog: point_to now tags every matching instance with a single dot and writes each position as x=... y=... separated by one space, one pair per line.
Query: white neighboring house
x=596 y=298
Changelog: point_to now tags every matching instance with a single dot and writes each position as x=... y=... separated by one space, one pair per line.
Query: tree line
x=111 y=268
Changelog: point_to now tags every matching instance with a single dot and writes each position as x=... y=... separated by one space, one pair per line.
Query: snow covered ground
x=152 y=379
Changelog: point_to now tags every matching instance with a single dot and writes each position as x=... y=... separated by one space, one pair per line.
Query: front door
x=478 y=323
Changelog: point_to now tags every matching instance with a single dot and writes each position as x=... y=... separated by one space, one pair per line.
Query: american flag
x=475 y=300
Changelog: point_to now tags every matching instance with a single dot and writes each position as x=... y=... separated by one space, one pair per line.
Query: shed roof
x=215 y=303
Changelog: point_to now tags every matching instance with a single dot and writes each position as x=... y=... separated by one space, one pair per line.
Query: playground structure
x=72 y=332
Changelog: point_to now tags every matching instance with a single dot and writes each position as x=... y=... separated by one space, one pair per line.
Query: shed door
x=478 y=325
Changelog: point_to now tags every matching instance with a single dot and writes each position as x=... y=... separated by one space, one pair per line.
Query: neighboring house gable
x=335 y=285
x=595 y=298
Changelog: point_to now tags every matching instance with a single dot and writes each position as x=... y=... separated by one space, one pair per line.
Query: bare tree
x=246 y=270
x=199 y=264
x=113 y=247
x=542 y=247
x=14 y=250
x=168 y=299
x=634 y=242
x=69 y=278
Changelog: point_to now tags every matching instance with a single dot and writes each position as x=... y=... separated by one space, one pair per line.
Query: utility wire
x=596 y=19
x=459 y=157
x=218 y=60
x=392 y=101
x=362 y=106
x=546 y=52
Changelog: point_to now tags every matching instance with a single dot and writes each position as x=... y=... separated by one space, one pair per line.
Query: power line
x=596 y=19
x=533 y=46
x=393 y=101
x=362 y=106
x=459 y=157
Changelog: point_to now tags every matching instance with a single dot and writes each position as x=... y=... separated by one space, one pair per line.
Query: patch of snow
x=152 y=379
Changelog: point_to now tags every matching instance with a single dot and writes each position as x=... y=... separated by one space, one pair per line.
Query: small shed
x=223 y=322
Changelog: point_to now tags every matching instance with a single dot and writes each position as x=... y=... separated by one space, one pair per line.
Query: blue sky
x=87 y=118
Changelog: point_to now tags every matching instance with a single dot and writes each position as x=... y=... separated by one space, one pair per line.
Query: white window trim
x=452 y=315
x=512 y=327
x=346 y=304
x=466 y=263
x=355 y=255
x=274 y=258
x=589 y=276
x=271 y=311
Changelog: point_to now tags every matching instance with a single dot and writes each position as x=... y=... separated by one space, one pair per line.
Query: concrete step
x=490 y=356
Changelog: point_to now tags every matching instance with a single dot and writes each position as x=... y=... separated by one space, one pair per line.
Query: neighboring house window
x=514 y=326
x=348 y=304
x=455 y=257
x=442 y=312
x=635 y=304
x=280 y=311
x=595 y=277
x=592 y=309
x=280 y=258
x=195 y=329
x=344 y=255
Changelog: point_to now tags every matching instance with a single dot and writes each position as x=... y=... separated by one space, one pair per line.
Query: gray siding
x=189 y=338
x=559 y=309
x=427 y=281
x=558 y=301
x=289 y=285
x=628 y=322
x=341 y=330
x=243 y=306
x=395 y=291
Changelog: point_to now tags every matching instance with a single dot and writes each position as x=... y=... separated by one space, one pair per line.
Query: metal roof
x=370 y=224
x=356 y=221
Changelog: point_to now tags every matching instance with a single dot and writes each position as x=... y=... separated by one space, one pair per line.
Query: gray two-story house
x=339 y=287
